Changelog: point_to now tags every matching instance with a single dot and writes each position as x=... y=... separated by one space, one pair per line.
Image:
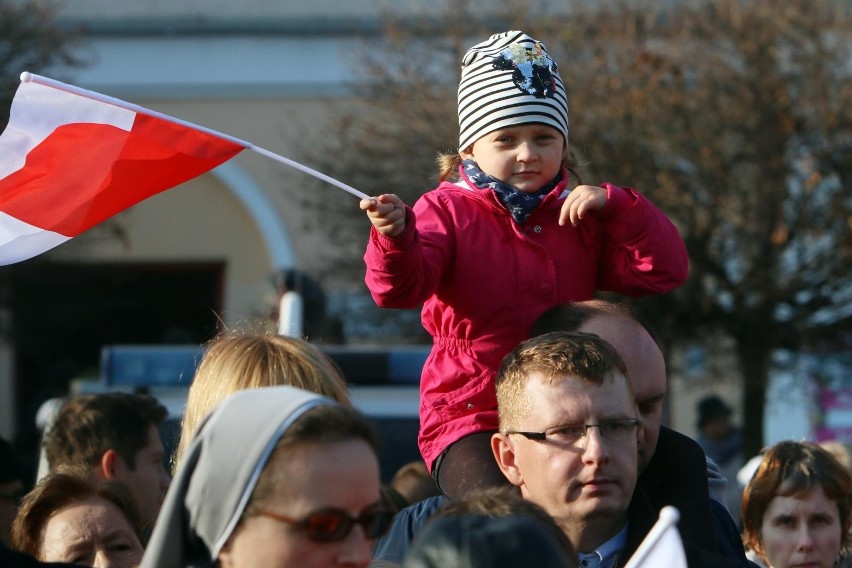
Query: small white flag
x=662 y=546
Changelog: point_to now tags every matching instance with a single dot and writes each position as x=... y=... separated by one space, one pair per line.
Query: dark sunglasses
x=330 y=525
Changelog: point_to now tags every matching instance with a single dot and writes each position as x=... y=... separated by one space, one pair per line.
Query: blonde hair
x=235 y=361
x=555 y=356
x=448 y=164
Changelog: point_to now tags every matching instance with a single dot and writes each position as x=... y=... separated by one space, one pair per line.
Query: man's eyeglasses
x=615 y=431
x=331 y=525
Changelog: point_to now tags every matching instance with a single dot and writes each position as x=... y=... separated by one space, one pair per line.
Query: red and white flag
x=69 y=161
x=72 y=158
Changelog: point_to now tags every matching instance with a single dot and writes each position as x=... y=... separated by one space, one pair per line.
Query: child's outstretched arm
x=386 y=213
x=582 y=200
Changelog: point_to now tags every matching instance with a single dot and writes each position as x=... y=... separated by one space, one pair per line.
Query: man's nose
x=595 y=448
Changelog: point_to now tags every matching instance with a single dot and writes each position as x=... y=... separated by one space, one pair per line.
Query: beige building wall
x=273 y=90
x=267 y=71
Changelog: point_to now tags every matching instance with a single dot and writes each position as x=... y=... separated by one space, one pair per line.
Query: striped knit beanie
x=509 y=80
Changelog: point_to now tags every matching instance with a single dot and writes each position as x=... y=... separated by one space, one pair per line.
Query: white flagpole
x=669 y=516
x=27 y=77
x=309 y=171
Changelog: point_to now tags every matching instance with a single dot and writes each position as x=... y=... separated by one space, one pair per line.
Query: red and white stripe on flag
x=69 y=162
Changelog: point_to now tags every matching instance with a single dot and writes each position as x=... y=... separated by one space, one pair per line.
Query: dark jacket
x=677 y=476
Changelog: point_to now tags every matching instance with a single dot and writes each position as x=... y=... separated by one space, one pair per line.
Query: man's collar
x=607 y=554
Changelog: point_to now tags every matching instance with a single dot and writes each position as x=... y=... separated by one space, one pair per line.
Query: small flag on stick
x=662 y=546
x=72 y=158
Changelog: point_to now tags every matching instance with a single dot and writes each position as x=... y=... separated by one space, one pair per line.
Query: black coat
x=677 y=476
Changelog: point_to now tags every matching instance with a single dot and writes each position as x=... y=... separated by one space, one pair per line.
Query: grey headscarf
x=219 y=473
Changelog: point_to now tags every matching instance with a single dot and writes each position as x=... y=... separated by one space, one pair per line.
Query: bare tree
x=30 y=40
x=733 y=116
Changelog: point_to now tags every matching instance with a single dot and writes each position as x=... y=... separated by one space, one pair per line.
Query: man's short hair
x=552 y=355
x=89 y=425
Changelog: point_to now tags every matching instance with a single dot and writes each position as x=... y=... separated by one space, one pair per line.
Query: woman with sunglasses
x=275 y=477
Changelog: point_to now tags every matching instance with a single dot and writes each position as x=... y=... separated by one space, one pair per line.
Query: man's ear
x=504 y=454
x=110 y=464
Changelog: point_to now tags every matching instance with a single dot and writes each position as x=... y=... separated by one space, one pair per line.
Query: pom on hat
x=509 y=80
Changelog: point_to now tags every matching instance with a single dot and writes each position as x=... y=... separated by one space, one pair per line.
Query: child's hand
x=386 y=213
x=583 y=199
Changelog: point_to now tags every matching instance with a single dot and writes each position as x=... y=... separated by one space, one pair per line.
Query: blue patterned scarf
x=519 y=204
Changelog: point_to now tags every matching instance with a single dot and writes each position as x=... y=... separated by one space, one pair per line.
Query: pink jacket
x=483 y=280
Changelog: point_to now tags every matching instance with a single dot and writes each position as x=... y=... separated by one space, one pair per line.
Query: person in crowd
x=236 y=360
x=569 y=439
x=673 y=467
x=11 y=489
x=274 y=477
x=722 y=441
x=796 y=507
x=510 y=231
x=491 y=528
x=114 y=436
x=414 y=483
x=69 y=517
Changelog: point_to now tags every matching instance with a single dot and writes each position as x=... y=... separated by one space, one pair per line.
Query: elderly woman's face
x=802 y=530
x=93 y=532
x=340 y=475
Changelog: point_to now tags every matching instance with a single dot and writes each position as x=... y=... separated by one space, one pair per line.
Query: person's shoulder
x=455 y=198
x=728 y=539
x=408 y=521
x=677 y=452
x=424 y=509
x=700 y=558
x=452 y=190
x=672 y=440
x=392 y=546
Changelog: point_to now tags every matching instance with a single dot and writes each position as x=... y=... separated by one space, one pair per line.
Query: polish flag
x=70 y=159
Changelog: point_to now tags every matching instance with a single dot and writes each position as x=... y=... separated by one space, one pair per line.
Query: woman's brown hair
x=58 y=490
x=791 y=469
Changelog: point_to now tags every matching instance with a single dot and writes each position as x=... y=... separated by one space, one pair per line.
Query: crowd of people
x=541 y=408
x=281 y=475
